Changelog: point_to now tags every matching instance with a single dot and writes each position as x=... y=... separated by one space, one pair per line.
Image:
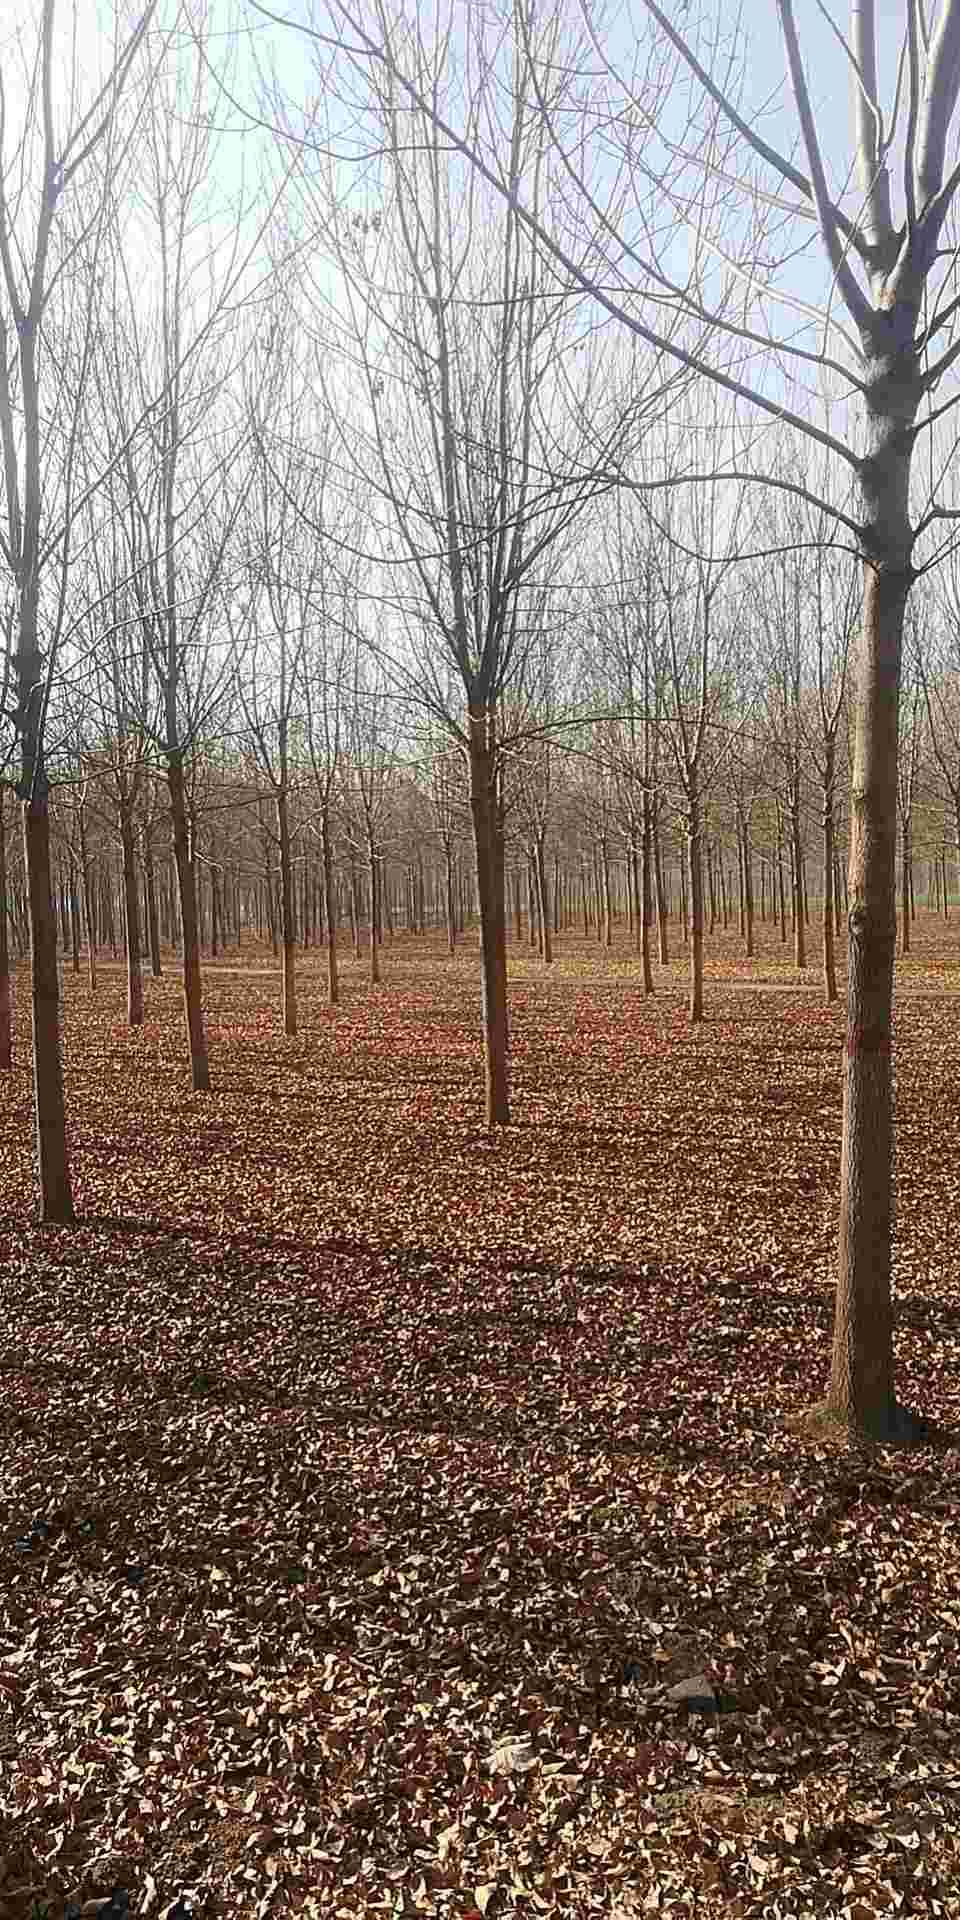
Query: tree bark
x=646 y=892
x=906 y=859
x=829 y=953
x=796 y=867
x=329 y=913
x=131 y=919
x=861 y=1390
x=150 y=899
x=373 y=867
x=288 y=934
x=695 y=871
x=483 y=807
x=6 y=1001
x=189 y=926
x=543 y=904
x=56 y=1198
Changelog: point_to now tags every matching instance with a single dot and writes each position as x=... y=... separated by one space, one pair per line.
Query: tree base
x=825 y=1424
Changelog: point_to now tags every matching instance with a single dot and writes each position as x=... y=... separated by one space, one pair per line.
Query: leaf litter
x=397 y=1520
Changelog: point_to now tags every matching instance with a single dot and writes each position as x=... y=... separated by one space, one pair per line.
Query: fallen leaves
x=391 y=1526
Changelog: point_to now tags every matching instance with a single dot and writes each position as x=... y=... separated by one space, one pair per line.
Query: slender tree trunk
x=605 y=895
x=74 y=923
x=829 y=954
x=905 y=879
x=796 y=863
x=695 y=870
x=329 y=913
x=375 y=883
x=663 y=943
x=748 y=900
x=543 y=904
x=150 y=898
x=781 y=887
x=483 y=804
x=56 y=1198
x=450 y=898
x=6 y=999
x=131 y=917
x=646 y=892
x=288 y=931
x=89 y=908
x=187 y=887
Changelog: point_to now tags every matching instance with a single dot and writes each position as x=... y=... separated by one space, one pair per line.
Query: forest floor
x=367 y=1481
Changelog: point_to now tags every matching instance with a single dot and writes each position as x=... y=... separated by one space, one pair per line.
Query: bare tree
x=692 y=149
x=479 y=435
x=60 y=160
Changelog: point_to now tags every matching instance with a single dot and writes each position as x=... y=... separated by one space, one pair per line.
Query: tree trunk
x=288 y=932
x=89 y=909
x=329 y=913
x=543 y=904
x=131 y=918
x=150 y=899
x=646 y=892
x=450 y=900
x=607 y=934
x=376 y=881
x=748 y=900
x=663 y=945
x=695 y=870
x=796 y=864
x=905 y=878
x=187 y=887
x=6 y=1001
x=56 y=1199
x=829 y=953
x=781 y=888
x=861 y=1391
x=483 y=806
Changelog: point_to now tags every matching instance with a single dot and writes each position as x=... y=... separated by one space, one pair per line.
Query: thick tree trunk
x=131 y=919
x=56 y=1199
x=829 y=953
x=187 y=886
x=483 y=808
x=861 y=1393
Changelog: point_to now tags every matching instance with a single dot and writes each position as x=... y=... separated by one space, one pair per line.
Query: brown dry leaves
x=370 y=1450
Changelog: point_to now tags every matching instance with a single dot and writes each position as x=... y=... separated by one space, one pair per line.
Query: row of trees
x=482 y=373
x=576 y=806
